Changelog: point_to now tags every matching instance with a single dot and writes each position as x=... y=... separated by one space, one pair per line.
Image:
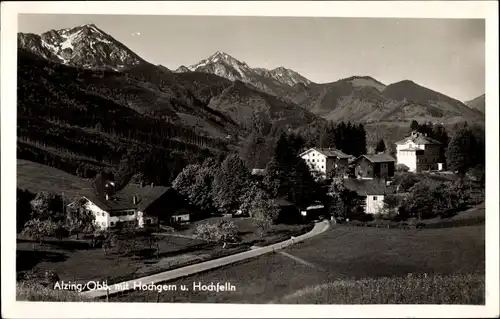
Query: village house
x=374 y=166
x=371 y=193
x=322 y=161
x=419 y=153
x=137 y=206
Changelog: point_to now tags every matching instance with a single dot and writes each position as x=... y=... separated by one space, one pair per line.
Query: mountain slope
x=412 y=92
x=84 y=46
x=83 y=121
x=246 y=106
x=364 y=99
x=479 y=103
x=283 y=75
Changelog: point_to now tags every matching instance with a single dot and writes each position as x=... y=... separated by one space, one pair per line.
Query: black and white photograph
x=250 y=159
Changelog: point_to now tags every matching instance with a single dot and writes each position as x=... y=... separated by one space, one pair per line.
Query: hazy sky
x=446 y=55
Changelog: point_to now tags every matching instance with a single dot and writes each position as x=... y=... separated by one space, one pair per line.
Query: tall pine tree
x=461 y=154
x=380 y=148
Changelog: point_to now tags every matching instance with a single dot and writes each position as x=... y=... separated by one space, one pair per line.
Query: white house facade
x=109 y=219
x=370 y=192
x=374 y=204
x=419 y=152
x=323 y=160
x=135 y=206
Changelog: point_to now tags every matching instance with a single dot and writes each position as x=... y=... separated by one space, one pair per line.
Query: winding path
x=319 y=228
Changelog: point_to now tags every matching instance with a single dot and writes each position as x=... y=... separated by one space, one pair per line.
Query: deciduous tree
x=230 y=184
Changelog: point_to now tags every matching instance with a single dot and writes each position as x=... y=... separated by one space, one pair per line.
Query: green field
x=342 y=253
x=79 y=263
x=37 y=177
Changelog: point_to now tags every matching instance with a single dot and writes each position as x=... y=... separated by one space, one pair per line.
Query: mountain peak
x=220 y=55
x=84 y=46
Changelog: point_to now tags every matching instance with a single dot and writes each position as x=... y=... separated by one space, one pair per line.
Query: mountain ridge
x=355 y=98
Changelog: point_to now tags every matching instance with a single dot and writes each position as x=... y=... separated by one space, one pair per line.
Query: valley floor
x=342 y=253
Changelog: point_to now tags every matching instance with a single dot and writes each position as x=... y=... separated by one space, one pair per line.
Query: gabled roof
x=418 y=138
x=378 y=158
x=328 y=152
x=123 y=200
x=364 y=187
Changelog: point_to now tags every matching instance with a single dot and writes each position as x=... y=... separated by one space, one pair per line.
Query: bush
x=402 y=168
x=405 y=181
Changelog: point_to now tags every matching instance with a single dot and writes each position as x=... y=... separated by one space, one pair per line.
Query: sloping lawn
x=350 y=253
x=79 y=264
x=37 y=177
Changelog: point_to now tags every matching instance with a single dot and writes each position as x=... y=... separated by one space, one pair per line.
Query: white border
x=432 y=9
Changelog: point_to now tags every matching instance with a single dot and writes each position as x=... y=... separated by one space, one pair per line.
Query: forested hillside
x=69 y=119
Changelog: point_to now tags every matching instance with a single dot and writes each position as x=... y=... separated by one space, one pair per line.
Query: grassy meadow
x=37 y=177
x=359 y=257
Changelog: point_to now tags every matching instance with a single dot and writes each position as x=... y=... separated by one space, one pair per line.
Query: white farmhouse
x=323 y=160
x=136 y=206
x=370 y=192
x=419 y=152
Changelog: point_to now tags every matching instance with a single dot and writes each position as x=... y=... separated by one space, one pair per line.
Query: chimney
x=142 y=183
x=152 y=184
x=134 y=199
x=107 y=196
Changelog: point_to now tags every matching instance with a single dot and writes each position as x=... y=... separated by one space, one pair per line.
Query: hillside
x=364 y=99
x=479 y=103
x=37 y=178
x=82 y=121
x=409 y=91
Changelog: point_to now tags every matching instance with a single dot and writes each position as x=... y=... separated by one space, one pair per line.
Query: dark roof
x=332 y=152
x=378 y=158
x=123 y=200
x=418 y=138
x=365 y=187
x=328 y=152
x=283 y=202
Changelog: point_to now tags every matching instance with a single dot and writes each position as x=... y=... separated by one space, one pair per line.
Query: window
x=322 y=166
x=112 y=224
x=103 y=223
x=131 y=213
x=374 y=197
x=313 y=159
